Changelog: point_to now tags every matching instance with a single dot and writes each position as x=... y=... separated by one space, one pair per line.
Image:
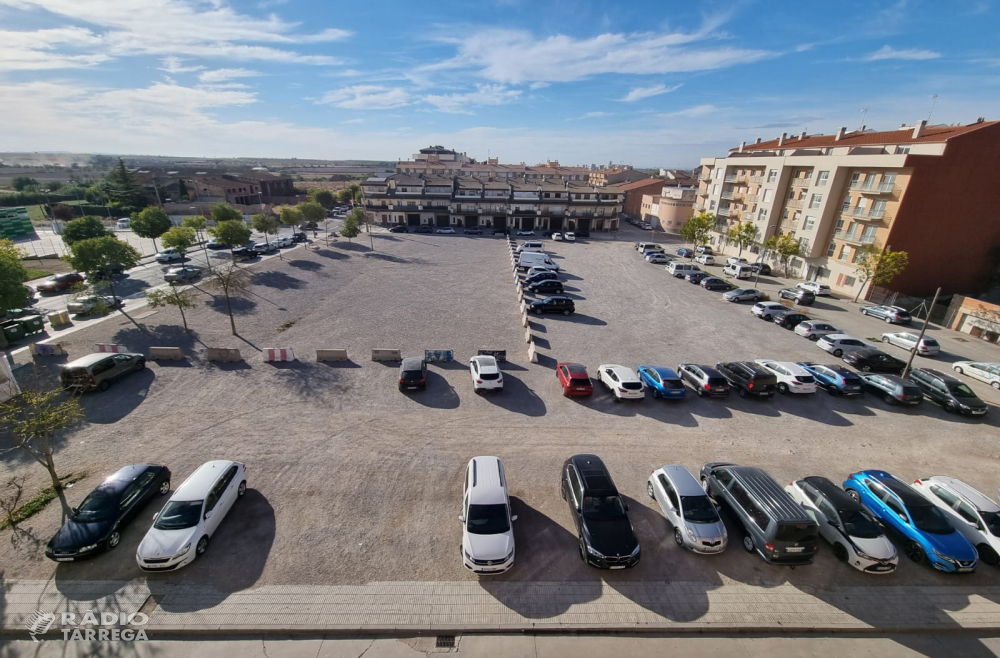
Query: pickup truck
x=749 y=378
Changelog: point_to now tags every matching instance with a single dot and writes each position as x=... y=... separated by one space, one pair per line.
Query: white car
x=984 y=372
x=972 y=513
x=928 y=346
x=487 y=524
x=525 y=232
x=569 y=237
x=445 y=230
x=792 y=378
x=557 y=236
x=658 y=258
x=733 y=260
x=263 y=247
x=837 y=344
x=90 y=303
x=535 y=269
x=282 y=241
x=705 y=259
x=623 y=382
x=817 y=289
x=691 y=513
x=856 y=537
x=768 y=310
x=167 y=255
x=813 y=330
x=182 y=529
x=486 y=375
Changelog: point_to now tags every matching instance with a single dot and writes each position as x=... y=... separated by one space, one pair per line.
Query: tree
x=54 y=186
x=233 y=280
x=21 y=183
x=232 y=232
x=179 y=299
x=880 y=266
x=84 y=228
x=323 y=197
x=13 y=293
x=355 y=193
x=743 y=236
x=696 y=230
x=63 y=212
x=182 y=190
x=151 y=222
x=344 y=195
x=34 y=419
x=784 y=246
x=97 y=257
x=199 y=223
x=311 y=211
x=122 y=191
x=350 y=228
x=223 y=212
x=266 y=224
x=180 y=238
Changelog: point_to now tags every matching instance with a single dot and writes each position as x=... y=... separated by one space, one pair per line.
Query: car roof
x=412 y=363
x=596 y=479
x=89 y=360
x=769 y=493
x=662 y=371
x=839 y=498
x=487 y=481
x=979 y=500
x=710 y=371
x=620 y=370
x=943 y=376
x=127 y=473
x=196 y=486
x=790 y=365
x=575 y=368
x=907 y=494
x=684 y=483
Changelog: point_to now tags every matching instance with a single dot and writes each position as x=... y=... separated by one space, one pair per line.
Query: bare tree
x=233 y=280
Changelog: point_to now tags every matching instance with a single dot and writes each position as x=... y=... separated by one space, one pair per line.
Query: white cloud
x=462 y=103
x=638 y=93
x=538 y=85
x=693 y=111
x=594 y=115
x=366 y=97
x=173 y=64
x=354 y=121
x=887 y=52
x=216 y=76
x=37 y=49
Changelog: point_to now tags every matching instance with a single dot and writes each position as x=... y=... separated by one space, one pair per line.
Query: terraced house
x=926 y=190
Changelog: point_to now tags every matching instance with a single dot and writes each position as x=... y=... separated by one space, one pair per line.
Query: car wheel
x=840 y=552
x=866 y=368
x=889 y=399
x=853 y=493
x=864 y=312
x=139 y=365
x=700 y=393
x=113 y=539
x=615 y=398
x=165 y=487
x=885 y=339
x=565 y=312
x=202 y=545
x=988 y=555
x=104 y=385
x=914 y=551
x=742 y=393
x=832 y=390
x=678 y=537
x=838 y=353
x=583 y=551
x=656 y=394
x=649 y=489
x=242 y=490
x=888 y=320
x=767 y=318
x=996 y=385
x=950 y=407
x=782 y=388
x=959 y=370
x=705 y=487
x=748 y=543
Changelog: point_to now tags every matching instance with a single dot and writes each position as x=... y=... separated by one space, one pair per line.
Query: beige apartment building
x=926 y=190
x=670 y=209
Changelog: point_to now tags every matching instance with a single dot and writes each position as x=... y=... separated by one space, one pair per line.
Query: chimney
x=862 y=128
x=781 y=140
x=980 y=119
x=802 y=135
x=742 y=146
x=840 y=133
x=918 y=130
x=757 y=141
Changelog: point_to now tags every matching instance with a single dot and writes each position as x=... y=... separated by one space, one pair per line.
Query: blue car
x=835 y=379
x=685 y=252
x=664 y=382
x=928 y=533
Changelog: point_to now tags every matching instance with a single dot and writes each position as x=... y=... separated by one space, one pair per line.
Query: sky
x=647 y=83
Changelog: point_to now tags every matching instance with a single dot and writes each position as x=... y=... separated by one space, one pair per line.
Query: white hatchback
x=623 y=382
x=927 y=345
x=182 y=529
x=282 y=241
x=705 y=259
x=768 y=310
x=817 y=289
x=486 y=375
x=569 y=237
x=487 y=530
x=557 y=236
x=972 y=513
x=837 y=344
x=792 y=378
x=167 y=255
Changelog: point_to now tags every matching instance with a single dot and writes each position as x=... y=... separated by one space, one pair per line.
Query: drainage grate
x=445 y=642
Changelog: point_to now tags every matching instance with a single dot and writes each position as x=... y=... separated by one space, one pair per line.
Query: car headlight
x=467 y=555
x=84 y=549
x=963 y=407
x=509 y=555
x=636 y=551
x=184 y=550
x=949 y=560
x=593 y=551
x=690 y=534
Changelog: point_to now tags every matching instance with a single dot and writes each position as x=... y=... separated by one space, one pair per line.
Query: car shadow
x=439 y=394
x=565 y=276
x=810 y=408
x=122 y=398
x=752 y=405
x=239 y=305
x=307 y=265
x=578 y=318
x=516 y=397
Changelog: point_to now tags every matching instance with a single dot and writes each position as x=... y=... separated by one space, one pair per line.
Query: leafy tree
x=266 y=224
x=199 y=223
x=880 y=266
x=21 y=183
x=312 y=211
x=355 y=193
x=344 y=195
x=34 y=419
x=697 y=229
x=151 y=222
x=233 y=280
x=223 y=212
x=180 y=238
x=122 y=190
x=97 y=256
x=179 y=299
x=350 y=228
x=13 y=294
x=54 y=186
x=232 y=232
x=743 y=236
x=84 y=228
x=785 y=247
x=182 y=190
x=323 y=197
x=63 y=212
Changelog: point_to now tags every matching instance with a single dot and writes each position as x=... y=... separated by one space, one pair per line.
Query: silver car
x=696 y=523
x=92 y=304
x=742 y=295
x=813 y=329
x=927 y=346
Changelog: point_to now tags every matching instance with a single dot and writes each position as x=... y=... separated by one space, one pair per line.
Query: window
x=839 y=226
x=831 y=249
x=855 y=178
x=822 y=178
x=715 y=190
x=895 y=506
x=772 y=175
x=846 y=205
x=845 y=252
x=815 y=200
x=969 y=515
x=828 y=511
x=803 y=247
x=768 y=195
x=574 y=483
x=889 y=179
x=724 y=476
x=849 y=281
x=763 y=214
x=878 y=208
x=868 y=235
x=808 y=223
x=791 y=194
x=671 y=494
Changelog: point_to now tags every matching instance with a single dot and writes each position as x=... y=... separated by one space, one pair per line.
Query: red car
x=574 y=379
x=60 y=282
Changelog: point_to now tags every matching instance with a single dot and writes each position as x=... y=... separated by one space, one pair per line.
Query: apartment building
x=547 y=204
x=635 y=191
x=926 y=190
x=670 y=209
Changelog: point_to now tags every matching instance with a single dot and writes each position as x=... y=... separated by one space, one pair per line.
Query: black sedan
x=714 y=283
x=867 y=360
x=554 y=304
x=697 y=277
x=97 y=523
x=473 y=230
x=547 y=275
x=547 y=286
x=399 y=229
x=790 y=320
x=582 y=234
x=241 y=253
x=422 y=229
x=299 y=236
x=762 y=268
x=893 y=389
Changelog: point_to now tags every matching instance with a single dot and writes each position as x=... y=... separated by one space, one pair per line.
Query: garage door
x=471 y=220
x=441 y=220
x=413 y=220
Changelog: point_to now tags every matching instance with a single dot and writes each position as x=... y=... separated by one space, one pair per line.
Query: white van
x=643 y=247
x=530 y=245
x=738 y=270
x=529 y=259
x=124 y=222
x=681 y=270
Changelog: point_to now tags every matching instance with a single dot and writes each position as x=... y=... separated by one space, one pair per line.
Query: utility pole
x=913 y=352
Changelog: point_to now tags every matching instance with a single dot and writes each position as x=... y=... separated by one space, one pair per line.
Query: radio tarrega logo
x=90 y=626
x=39 y=624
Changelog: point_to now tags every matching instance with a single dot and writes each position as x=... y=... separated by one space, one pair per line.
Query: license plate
x=965 y=569
x=795 y=549
x=884 y=567
x=617 y=566
x=978 y=412
x=64 y=559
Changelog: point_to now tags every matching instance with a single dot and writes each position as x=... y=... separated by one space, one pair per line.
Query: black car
x=473 y=230
x=553 y=304
x=97 y=523
x=548 y=275
x=581 y=234
x=697 y=277
x=893 y=389
x=749 y=378
x=604 y=534
x=399 y=228
x=299 y=236
x=705 y=380
x=214 y=243
x=308 y=226
x=413 y=374
x=715 y=283
x=952 y=394
x=422 y=229
x=871 y=359
x=242 y=253
x=547 y=286
x=790 y=320
x=801 y=297
x=108 y=272
x=762 y=268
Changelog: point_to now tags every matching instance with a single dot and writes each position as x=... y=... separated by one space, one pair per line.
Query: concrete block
x=383 y=354
x=223 y=354
x=331 y=355
x=166 y=353
x=532 y=356
x=278 y=354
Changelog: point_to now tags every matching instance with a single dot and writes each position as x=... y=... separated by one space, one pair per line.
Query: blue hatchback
x=685 y=252
x=835 y=379
x=928 y=533
x=664 y=382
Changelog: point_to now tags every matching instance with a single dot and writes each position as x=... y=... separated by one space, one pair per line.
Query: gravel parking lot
x=353 y=481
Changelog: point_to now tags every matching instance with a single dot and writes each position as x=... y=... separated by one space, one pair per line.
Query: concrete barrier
x=331 y=355
x=527 y=336
x=59 y=319
x=532 y=355
x=524 y=319
x=166 y=353
x=382 y=354
x=114 y=348
x=223 y=354
x=499 y=355
x=524 y=309
x=278 y=354
x=438 y=355
x=46 y=349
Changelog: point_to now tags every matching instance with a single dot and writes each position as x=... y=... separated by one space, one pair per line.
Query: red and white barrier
x=110 y=347
x=272 y=354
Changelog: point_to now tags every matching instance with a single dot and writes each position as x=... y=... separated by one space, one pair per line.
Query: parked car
x=856 y=537
x=869 y=360
x=703 y=249
x=774 y=526
x=705 y=380
x=185 y=525
x=486 y=375
x=799 y=296
x=399 y=228
x=167 y=255
x=569 y=237
x=690 y=512
x=182 y=273
x=893 y=389
x=761 y=268
x=928 y=534
x=705 y=259
x=836 y=379
x=749 y=378
x=583 y=234
x=742 y=295
x=108 y=272
x=646 y=226
x=645 y=246
x=242 y=253
x=984 y=372
x=92 y=303
x=891 y=314
x=574 y=379
x=487 y=522
x=423 y=228
x=412 y=374
x=605 y=535
x=557 y=237
x=664 y=382
x=658 y=258
x=925 y=346
x=734 y=260
x=262 y=248
x=446 y=230
x=536 y=269
x=99 y=370
x=544 y=275
x=792 y=378
x=654 y=252
x=96 y=524
x=697 y=277
x=547 y=286
x=554 y=304
x=525 y=232
x=299 y=236
x=767 y=310
x=951 y=393
x=60 y=283
x=790 y=320
x=714 y=283
x=622 y=382
x=214 y=243
x=973 y=514
x=837 y=344
x=684 y=252
x=813 y=329
x=281 y=241
x=818 y=289
x=680 y=270
x=472 y=230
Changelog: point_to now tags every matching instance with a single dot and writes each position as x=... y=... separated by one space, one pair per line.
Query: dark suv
x=801 y=297
x=547 y=286
x=704 y=380
x=553 y=304
x=749 y=378
x=547 y=275
x=413 y=374
x=952 y=394
x=605 y=535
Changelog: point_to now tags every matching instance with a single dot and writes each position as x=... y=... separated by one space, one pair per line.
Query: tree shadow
x=240 y=305
x=352 y=246
x=278 y=280
x=439 y=394
x=516 y=397
x=122 y=398
x=327 y=253
x=162 y=335
x=307 y=265
x=385 y=257
x=308 y=379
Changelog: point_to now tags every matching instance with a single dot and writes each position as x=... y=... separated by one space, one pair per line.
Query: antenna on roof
x=933 y=103
x=864 y=113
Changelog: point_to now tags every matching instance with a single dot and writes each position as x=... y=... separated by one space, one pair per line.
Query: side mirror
x=208 y=515
x=833 y=523
x=905 y=518
x=577 y=508
x=461 y=517
x=513 y=518
x=626 y=506
x=673 y=510
x=156 y=515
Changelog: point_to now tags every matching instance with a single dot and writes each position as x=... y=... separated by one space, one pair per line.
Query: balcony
x=867 y=214
x=731 y=178
x=755 y=180
x=750 y=198
x=724 y=212
x=705 y=175
x=871 y=188
x=853 y=237
x=795 y=203
x=742 y=178
x=800 y=182
x=523 y=211
x=728 y=196
x=464 y=210
x=699 y=206
x=552 y=212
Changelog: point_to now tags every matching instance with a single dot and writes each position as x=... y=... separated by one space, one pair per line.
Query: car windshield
x=179 y=514
x=859 y=523
x=603 y=508
x=930 y=519
x=101 y=503
x=699 y=509
x=717 y=381
x=930 y=342
x=992 y=521
x=487 y=519
x=489 y=375
x=673 y=383
x=960 y=390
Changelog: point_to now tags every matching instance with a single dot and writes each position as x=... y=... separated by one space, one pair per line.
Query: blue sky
x=648 y=83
